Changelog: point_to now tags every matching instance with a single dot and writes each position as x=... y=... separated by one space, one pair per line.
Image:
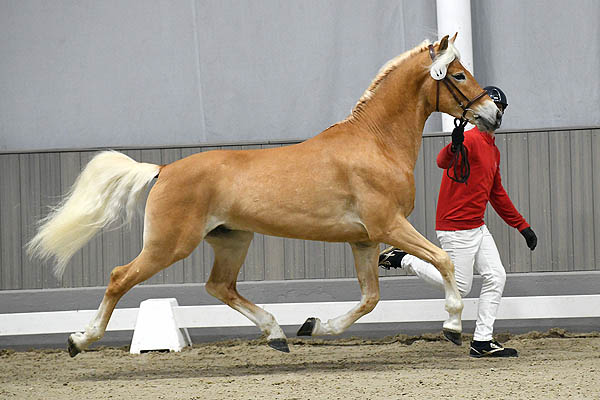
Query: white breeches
x=469 y=249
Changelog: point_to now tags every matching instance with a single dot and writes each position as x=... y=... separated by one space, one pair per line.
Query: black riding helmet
x=497 y=95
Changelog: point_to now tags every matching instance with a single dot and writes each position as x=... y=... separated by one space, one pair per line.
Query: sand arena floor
x=553 y=365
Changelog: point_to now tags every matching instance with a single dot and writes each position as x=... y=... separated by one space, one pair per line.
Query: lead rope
x=461 y=170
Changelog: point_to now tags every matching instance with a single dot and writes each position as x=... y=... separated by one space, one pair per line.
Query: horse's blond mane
x=445 y=58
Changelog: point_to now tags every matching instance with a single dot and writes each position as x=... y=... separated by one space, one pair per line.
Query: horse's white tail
x=111 y=184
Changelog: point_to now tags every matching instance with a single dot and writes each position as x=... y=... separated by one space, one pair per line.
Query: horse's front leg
x=404 y=236
x=365 y=258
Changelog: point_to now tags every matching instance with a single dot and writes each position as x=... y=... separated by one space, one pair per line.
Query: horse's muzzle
x=488 y=117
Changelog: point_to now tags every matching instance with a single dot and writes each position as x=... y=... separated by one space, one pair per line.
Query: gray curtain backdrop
x=80 y=74
x=138 y=73
x=545 y=54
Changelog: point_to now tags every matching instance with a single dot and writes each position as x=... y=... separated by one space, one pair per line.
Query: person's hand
x=458 y=137
x=530 y=238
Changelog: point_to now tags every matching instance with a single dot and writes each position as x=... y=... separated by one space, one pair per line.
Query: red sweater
x=462 y=206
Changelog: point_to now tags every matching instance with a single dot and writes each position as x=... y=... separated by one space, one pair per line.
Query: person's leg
x=461 y=246
x=424 y=270
x=489 y=266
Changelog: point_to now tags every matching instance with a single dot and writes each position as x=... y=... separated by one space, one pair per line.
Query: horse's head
x=456 y=92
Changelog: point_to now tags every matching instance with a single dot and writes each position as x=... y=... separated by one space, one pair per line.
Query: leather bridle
x=454 y=91
x=461 y=169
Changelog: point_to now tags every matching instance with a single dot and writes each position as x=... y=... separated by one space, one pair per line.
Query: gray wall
x=76 y=74
x=549 y=174
x=154 y=75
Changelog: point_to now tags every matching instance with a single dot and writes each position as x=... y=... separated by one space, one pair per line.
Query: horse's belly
x=333 y=228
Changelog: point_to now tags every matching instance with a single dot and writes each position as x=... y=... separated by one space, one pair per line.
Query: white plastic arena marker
x=156 y=328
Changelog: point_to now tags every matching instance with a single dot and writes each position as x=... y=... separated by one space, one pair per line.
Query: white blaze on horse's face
x=486 y=115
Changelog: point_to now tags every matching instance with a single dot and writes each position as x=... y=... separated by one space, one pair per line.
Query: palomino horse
x=352 y=183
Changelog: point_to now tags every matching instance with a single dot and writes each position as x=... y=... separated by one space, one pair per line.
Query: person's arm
x=504 y=206
x=445 y=156
x=507 y=211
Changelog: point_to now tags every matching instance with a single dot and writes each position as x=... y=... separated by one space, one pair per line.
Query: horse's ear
x=454 y=38
x=443 y=44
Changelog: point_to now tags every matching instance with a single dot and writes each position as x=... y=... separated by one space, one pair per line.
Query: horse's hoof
x=454 y=337
x=73 y=350
x=307 y=328
x=279 y=344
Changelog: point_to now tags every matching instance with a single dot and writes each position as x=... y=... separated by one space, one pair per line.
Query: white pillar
x=455 y=16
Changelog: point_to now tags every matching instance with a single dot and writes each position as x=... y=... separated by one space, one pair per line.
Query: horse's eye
x=459 y=77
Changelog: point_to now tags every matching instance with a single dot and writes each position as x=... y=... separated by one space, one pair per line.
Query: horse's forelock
x=446 y=57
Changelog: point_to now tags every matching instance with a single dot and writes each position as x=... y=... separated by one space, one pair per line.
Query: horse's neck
x=397 y=127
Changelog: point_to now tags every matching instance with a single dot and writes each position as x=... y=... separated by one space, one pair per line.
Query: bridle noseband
x=453 y=90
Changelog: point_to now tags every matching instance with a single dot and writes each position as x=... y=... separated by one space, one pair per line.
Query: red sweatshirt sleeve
x=444 y=157
x=504 y=206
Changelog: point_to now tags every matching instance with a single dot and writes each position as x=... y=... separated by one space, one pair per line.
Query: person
x=463 y=234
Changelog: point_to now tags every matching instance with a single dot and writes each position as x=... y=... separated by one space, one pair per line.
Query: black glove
x=458 y=137
x=530 y=238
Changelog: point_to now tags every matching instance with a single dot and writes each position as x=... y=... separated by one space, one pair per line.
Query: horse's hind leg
x=365 y=258
x=404 y=236
x=230 y=249
x=164 y=244
x=150 y=261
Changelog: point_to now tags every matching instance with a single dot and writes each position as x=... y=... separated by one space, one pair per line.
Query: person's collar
x=489 y=137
